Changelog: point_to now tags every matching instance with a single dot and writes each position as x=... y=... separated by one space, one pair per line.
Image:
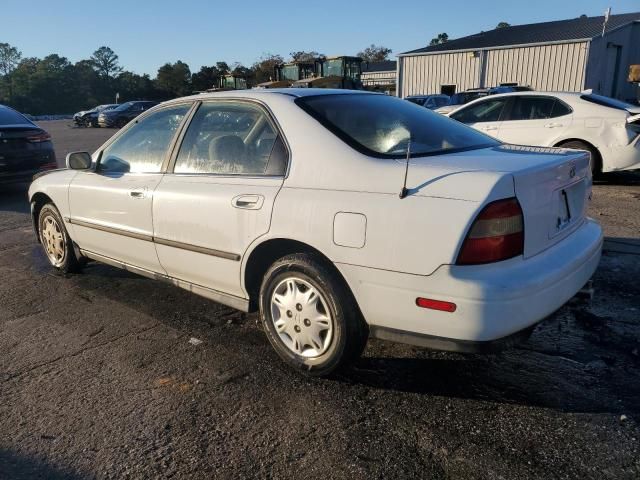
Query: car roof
x=259 y=93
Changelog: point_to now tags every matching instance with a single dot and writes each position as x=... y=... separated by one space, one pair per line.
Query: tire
x=55 y=240
x=334 y=334
x=594 y=161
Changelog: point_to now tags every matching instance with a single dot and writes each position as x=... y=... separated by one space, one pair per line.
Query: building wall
x=556 y=67
x=378 y=78
x=601 y=71
x=422 y=74
x=549 y=67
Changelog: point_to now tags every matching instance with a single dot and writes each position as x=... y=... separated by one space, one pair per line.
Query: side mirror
x=79 y=160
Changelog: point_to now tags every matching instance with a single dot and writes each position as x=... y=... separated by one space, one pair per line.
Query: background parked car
x=461 y=98
x=25 y=148
x=472 y=94
x=608 y=128
x=89 y=118
x=430 y=101
x=123 y=114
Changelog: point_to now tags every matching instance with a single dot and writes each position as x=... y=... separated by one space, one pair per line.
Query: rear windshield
x=606 y=101
x=124 y=106
x=382 y=126
x=11 y=117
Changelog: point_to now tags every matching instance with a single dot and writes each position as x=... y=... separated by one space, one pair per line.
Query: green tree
x=302 y=56
x=105 y=62
x=375 y=53
x=206 y=78
x=9 y=59
x=174 y=80
x=503 y=25
x=263 y=68
x=223 y=68
x=441 y=38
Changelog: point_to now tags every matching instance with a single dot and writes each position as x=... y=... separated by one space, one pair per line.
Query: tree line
x=55 y=85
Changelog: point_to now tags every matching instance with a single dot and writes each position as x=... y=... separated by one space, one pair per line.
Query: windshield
x=333 y=67
x=11 y=117
x=290 y=72
x=382 y=126
x=606 y=101
x=124 y=106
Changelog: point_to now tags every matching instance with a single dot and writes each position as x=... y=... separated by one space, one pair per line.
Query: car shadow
x=623 y=179
x=20 y=467
x=13 y=198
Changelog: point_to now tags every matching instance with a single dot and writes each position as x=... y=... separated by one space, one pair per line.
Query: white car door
x=534 y=120
x=219 y=196
x=110 y=207
x=484 y=115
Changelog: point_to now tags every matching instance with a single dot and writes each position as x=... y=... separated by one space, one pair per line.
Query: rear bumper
x=626 y=157
x=493 y=301
x=43 y=160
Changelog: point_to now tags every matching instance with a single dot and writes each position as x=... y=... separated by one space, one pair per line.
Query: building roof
x=556 y=31
x=385 y=66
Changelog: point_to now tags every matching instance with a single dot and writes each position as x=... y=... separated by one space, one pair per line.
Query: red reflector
x=436 y=304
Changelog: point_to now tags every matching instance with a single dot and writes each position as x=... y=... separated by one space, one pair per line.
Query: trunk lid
x=553 y=195
x=552 y=185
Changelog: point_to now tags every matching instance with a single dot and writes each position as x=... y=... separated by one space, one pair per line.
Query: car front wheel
x=309 y=315
x=55 y=240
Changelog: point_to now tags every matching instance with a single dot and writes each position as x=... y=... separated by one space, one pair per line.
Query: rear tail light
x=39 y=137
x=496 y=234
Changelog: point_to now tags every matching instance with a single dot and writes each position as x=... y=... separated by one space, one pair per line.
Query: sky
x=147 y=34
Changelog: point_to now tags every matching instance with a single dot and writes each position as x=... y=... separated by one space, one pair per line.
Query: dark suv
x=25 y=148
x=120 y=116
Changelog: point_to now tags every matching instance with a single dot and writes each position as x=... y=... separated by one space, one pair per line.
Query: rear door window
x=531 y=108
x=230 y=138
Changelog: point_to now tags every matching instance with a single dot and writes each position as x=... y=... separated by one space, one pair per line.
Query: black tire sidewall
x=578 y=145
x=320 y=278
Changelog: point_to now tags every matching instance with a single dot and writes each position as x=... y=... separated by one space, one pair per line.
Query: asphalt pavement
x=105 y=374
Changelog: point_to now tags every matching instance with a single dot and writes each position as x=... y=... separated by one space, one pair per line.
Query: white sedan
x=338 y=215
x=607 y=128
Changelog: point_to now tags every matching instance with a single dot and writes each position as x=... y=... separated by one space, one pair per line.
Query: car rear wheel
x=594 y=159
x=309 y=315
x=55 y=240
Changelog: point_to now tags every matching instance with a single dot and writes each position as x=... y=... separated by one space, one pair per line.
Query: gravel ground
x=98 y=379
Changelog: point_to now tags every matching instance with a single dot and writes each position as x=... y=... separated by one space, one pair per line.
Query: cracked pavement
x=98 y=380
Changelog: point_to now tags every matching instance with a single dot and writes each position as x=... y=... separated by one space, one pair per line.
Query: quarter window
x=486 y=111
x=229 y=138
x=143 y=146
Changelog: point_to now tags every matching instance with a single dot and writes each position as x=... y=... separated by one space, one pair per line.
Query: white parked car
x=292 y=202
x=609 y=129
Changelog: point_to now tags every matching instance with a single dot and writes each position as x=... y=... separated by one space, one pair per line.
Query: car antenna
x=404 y=192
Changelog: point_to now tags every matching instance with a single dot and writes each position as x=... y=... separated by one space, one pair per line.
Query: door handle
x=553 y=125
x=248 y=202
x=488 y=128
x=140 y=193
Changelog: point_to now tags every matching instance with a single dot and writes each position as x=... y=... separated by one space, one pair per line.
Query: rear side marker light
x=436 y=304
x=496 y=234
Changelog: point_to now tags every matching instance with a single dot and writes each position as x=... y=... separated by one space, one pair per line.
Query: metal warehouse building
x=565 y=55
